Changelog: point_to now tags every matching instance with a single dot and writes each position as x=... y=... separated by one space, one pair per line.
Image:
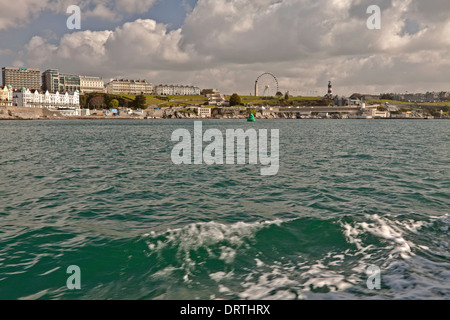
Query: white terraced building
x=26 y=98
x=176 y=90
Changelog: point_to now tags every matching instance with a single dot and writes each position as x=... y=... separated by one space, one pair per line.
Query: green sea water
x=105 y=196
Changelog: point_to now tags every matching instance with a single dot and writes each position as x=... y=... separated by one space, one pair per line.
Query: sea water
x=105 y=196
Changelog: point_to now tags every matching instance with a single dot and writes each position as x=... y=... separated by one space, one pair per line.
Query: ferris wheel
x=266 y=85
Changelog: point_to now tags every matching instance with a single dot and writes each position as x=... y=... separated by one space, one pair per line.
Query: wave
x=306 y=258
x=218 y=240
x=301 y=258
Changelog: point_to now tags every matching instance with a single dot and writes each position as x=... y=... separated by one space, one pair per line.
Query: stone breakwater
x=217 y=113
x=20 y=113
x=278 y=115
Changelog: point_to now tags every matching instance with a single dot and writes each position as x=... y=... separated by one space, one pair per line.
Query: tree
x=113 y=104
x=387 y=96
x=83 y=101
x=96 y=102
x=235 y=100
x=286 y=96
x=279 y=94
x=140 y=102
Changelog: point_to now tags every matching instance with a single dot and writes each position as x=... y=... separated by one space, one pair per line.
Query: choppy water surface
x=105 y=196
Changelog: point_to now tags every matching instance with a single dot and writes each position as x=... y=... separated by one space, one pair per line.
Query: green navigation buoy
x=251 y=117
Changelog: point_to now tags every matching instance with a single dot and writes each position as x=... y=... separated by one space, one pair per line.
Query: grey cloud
x=227 y=43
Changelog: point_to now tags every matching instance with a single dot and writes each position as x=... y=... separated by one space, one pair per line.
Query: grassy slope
x=178 y=100
x=431 y=104
x=150 y=99
x=198 y=99
x=252 y=100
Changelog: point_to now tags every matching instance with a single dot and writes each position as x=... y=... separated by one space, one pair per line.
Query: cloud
x=132 y=47
x=145 y=43
x=226 y=44
x=133 y=6
x=5 y=52
x=19 y=13
x=103 y=12
x=269 y=31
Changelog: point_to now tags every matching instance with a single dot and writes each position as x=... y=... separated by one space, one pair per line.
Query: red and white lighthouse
x=330 y=89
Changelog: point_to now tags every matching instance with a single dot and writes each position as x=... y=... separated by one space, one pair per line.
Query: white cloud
x=227 y=43
x=145 y=43
x=133 y=6
x=103 y=12
x=132 y=47
x=20 y=13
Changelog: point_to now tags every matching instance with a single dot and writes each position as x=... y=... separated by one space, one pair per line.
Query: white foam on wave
x=339 y=274
x=273 y=285
x=390 y=230
x=206 y=235
x=406 y=274
x=287 y=281
x=219 y=276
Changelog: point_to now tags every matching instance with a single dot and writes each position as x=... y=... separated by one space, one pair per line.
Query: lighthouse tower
x=330 y=89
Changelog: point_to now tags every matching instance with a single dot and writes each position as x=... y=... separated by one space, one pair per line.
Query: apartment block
x=176 y=90
x=132 y=87
x=53 y=81
x=91 y=84
x=19 y=78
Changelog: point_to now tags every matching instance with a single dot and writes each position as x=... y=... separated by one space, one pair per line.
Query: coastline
x=27 y=114
x=198 y=118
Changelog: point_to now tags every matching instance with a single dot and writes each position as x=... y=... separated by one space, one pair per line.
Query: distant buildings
x=91 y=84
x=53 y=81
x=215 y=97
x=6 y=96
x=19 y=78
x=129 y=87
x=373 y=112
x=25 y=98
x=444 y=95
x=419 y=97
x=176 y=90
x=341 y=101
x=204 y=112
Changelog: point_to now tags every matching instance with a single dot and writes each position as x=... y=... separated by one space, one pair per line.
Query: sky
x=227 y=44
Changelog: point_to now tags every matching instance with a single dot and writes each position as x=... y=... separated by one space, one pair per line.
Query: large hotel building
x=176 y=90
x=53 y=81
x=19 y=78
x=133 y=87
x=92 y=84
